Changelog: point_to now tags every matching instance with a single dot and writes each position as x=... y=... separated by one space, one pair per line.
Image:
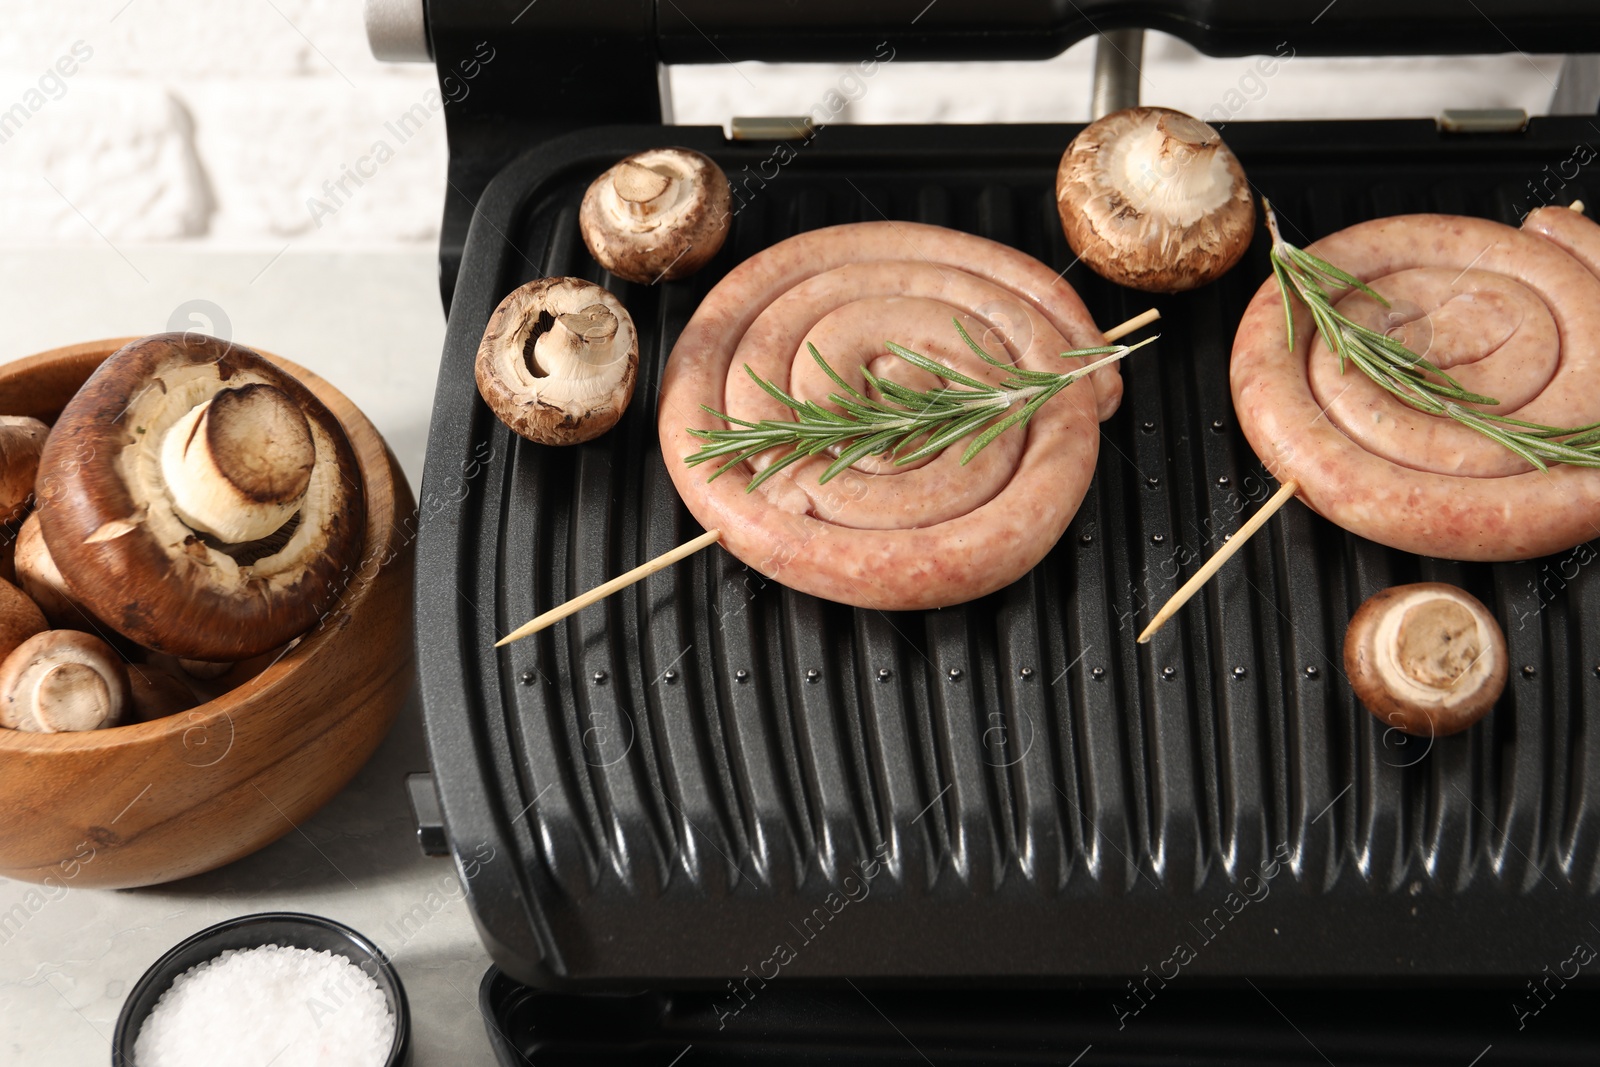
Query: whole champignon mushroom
x=657 y=215
x=1427 y=659
x=1152 y=199
x=62 y=680
x=200 y=500
x=20 y=618
x=204 y=669
x=39 y=577
x=558 y=361
x=156 y=693
x=21 y=441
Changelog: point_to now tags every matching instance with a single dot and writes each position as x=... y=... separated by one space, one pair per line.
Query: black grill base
x=1153 y=1024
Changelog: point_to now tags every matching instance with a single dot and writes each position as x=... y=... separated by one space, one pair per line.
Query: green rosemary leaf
x=1282 y=274
x=907 y=423
x=867 y=446
x=903 y=395
x=714 y=413
x=1498 y=435
x=976 y=347
x=949 y=374
x=1334 y=274
x=772 y=390
x=772 y=468
x=831 y=373
x=1410 y=377
x=938 y=442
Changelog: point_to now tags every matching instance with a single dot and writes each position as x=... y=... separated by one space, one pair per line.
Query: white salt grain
x=287 y=1007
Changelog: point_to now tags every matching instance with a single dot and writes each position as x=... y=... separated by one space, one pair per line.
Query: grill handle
x=715 y=31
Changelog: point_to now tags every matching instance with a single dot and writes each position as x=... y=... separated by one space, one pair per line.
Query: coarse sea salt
x=288 y=1007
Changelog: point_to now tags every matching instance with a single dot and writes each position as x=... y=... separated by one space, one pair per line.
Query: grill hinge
x=1482 y=120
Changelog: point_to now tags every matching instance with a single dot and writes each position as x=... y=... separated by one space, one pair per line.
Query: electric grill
x=677 y=782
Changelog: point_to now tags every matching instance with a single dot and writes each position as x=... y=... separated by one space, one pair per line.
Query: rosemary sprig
x=1410 y=377
x=906 y=423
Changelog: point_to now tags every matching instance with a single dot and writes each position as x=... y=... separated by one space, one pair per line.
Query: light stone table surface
x=371 y=323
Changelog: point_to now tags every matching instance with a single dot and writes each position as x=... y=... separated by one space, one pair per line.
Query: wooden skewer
x=1214 y=564
x=705 y=540
x=1142 y=319
x=620 y=582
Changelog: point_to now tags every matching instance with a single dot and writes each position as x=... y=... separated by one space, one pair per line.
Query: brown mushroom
x=157 y=693
x=558 y=361
x=8 y=552
x=204 y=669
x=20 y=618
x=62 y=680
x=21 y=441
x=200 y=500
x=1152 y=199
x=1427 y=659
x=41 y=580
x=657 y=215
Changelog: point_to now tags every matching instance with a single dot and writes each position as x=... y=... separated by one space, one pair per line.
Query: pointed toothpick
x=620 y=582
x=1225 y=553
x=1142 y=319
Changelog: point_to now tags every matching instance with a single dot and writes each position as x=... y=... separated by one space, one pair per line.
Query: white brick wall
x=218 y=123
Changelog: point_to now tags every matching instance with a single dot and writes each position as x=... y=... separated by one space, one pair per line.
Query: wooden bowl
x=147 y=803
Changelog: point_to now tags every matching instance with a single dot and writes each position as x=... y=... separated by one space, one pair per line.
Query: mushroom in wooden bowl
x=312 y=692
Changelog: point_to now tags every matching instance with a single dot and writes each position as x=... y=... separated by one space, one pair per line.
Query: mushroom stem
x=644 y=192
x=579 y=344
x=1173 y=169
x=62 y=680
x=1427 y=659
x=237 y=466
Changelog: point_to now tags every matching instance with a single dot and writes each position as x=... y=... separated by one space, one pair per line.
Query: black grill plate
x=1076 y=822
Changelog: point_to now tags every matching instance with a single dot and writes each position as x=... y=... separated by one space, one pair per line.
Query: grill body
x=1027 y=794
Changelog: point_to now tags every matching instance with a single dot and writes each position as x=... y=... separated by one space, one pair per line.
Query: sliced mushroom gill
x=558 y=361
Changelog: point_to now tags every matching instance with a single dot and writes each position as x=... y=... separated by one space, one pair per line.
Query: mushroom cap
x=124 y=551
x=20 y=618
x=62 y=680
x=657 y=215
x=1428 y=659
x=1152 y=199
x=39 y=577
x=21 y=440
x=155 y=693
x=537 y=391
